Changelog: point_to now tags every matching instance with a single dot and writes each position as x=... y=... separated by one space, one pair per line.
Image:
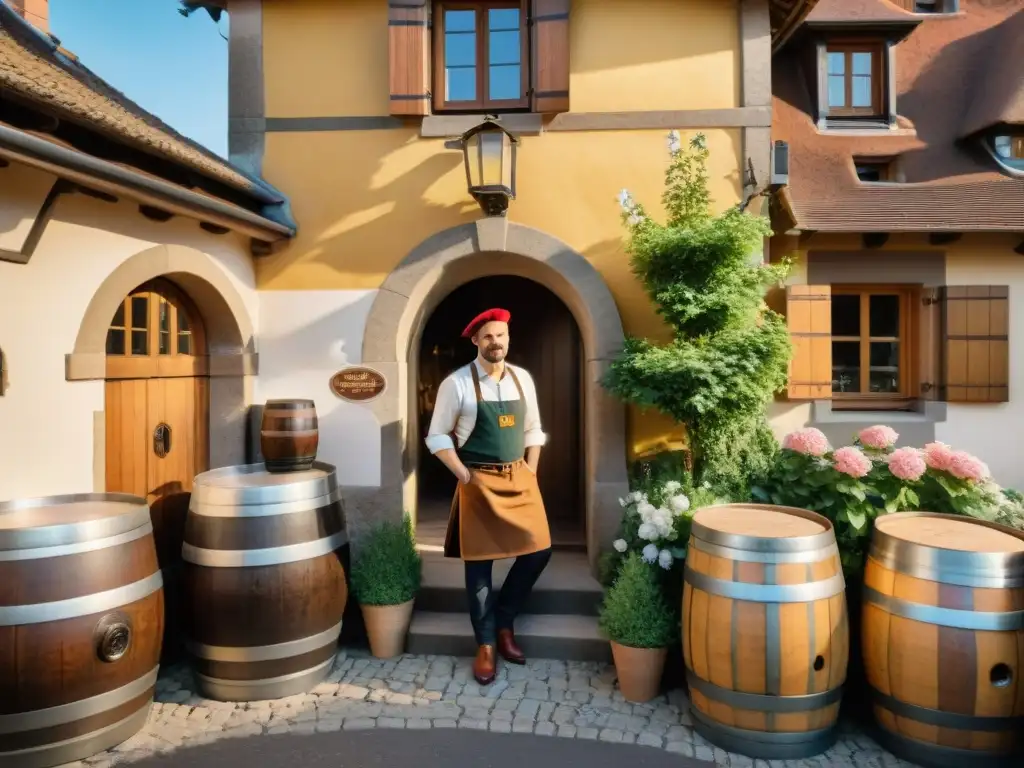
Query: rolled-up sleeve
x=446 y=416
x=534 y=433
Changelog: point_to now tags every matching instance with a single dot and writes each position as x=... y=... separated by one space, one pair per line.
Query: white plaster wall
x=46 y=423
x=993 y=432
x=305 y=337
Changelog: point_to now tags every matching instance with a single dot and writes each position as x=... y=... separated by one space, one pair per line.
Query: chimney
x=36 y=12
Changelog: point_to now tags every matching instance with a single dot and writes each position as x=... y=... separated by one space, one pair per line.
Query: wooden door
x=157 y=395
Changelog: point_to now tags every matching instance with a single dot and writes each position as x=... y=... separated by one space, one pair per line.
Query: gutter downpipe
x=114 y=179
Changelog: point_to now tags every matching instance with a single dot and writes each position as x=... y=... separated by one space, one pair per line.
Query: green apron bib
x=499 y=435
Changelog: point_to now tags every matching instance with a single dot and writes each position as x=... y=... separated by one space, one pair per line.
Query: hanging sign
x=358 y=384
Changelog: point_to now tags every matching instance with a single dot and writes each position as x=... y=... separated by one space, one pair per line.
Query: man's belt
x=494 y=466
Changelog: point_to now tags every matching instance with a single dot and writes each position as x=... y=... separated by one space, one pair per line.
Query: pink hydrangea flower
x=851 y=461
x=967 y=467
x=809 y=441
x=907 y=464
x=938 y=456
x=878 y=437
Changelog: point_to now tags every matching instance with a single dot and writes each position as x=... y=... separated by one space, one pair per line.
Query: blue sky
x=174 y=67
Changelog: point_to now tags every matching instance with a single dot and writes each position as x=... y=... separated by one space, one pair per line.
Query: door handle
x=162 y=440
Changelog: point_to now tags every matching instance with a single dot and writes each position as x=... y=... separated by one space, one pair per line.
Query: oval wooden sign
x=358 y=384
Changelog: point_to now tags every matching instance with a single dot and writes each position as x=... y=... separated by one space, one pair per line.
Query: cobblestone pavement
x=574 y=700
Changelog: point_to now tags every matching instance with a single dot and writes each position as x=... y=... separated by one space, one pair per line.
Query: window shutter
x=809 y=317
x=409 y=56
x=975 y=344
x=549 y=75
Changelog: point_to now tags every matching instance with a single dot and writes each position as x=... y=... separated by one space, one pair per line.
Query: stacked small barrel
x=265 y=588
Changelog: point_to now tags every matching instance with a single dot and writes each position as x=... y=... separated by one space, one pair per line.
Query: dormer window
x=928 y=6
x=854 y=79
x=873 y=170
x=1009 y=148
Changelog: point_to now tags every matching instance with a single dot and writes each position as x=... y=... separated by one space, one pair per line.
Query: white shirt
x=455 y=406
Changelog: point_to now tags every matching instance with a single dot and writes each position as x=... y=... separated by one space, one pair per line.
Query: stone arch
x=230 y=336
x=413 y=290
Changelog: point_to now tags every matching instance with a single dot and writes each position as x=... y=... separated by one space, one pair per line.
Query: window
x=480 y=55
x=1010 y=147
x=854 y=80
x=873 y=170
x=871 y=343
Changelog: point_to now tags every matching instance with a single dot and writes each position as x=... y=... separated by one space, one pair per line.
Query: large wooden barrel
x=263 y=579
x=289 y=435
x=81 y=621
x=765 y=630
x=943 y=639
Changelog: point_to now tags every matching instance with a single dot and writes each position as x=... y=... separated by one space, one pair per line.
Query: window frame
x=481 y=103
x=904 y=398
x=877 y=49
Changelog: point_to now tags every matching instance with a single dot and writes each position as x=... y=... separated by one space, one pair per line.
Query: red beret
x=495 y=315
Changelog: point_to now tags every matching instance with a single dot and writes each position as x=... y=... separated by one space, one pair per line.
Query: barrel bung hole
x=819 y=663
x=1000 y=676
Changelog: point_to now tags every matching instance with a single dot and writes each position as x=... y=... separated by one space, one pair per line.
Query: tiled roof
x=950 y=185
x=857 y=11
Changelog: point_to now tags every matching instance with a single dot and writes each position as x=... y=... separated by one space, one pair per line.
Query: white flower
x=635 y=219
x=623 y=502
x=672 y=486
x=646 y=510
x=625 y=200
x=679 y=503
x=648 y=532
x=665 y=559
x=674 y=144
x=620 y=545
x=650 y=553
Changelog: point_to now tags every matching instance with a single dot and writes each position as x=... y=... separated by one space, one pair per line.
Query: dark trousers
x=491 y=611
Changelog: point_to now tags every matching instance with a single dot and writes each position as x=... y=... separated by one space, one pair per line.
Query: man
x=486 y=429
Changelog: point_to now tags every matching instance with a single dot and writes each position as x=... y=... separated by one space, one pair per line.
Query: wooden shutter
x=549 y=74
x=409 y=56
x=975 y=344
x=809 y=317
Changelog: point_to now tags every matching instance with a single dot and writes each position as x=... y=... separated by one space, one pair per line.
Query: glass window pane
x=165 y=315
x=837 y=63
x=836 y=91
x=118 y=320
x=182 y=320
x=459 y=21
x=140 y=312
x=185 y=343
x=115 y=342
x=845 y=366
x=165 y=343
x=505 y=83
x=503 y=18
x=862 y=63
x=861 y=92
x=461 y=84
x=846 y=315
x=884 y=382
x=140 y=342
x=885 y=316
x=504 y=48
x=885 y=354
x=460 y=49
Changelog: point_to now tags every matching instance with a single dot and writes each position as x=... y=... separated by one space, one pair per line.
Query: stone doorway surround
x=230 y=337
x=391 y=340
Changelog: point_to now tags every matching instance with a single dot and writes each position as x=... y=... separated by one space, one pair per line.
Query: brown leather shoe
x=509 y=649
x=484 y=666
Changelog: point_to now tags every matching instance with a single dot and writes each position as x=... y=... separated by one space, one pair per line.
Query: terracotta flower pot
x=639 y=671
x=387 y=626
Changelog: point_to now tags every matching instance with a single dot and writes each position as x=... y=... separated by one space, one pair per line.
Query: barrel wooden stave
x=59 y=701
x=266 y=629
x=933 y=683
x=728 y=645
x=289 y=435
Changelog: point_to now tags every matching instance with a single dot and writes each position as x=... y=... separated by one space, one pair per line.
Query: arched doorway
x=157 y=406
x=545 y=340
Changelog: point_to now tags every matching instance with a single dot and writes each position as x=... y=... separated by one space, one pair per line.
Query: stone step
x=566 y=638
x=565 y=588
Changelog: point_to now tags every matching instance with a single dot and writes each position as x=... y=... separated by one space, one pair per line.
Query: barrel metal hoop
x=945 y=719
x=289 y=432
x=246 y=558
x=14 y=539
x=1009 y=563
x=934 y=756
x=266 y=688
x=945 y=617
x=264 y=510
x=78 y=747
x=762 y=703
x=766 y=593
x=964 y=569
x=8 y=555
x=265 y=652
x=299 y=488
x=748 y=556
x=78 y=710
x=767 y=745
x=87 y=605
x=763 y=544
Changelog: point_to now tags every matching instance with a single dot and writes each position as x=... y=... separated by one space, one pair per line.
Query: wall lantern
x=489 y=152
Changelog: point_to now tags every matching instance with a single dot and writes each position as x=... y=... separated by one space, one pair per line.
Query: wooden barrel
x=81 y=621
x=263 y=579
x=289 y=435
x=943 y=639
x=765 y=630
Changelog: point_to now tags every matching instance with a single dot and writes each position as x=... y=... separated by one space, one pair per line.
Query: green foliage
x=386 y=567
x=729 y=352
x=634 y=612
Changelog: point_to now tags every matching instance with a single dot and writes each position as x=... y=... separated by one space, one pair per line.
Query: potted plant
x=386 y=572
x=640 y=626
